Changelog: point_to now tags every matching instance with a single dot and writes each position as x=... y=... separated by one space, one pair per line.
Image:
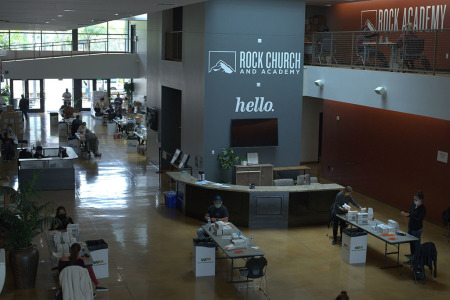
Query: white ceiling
x=50 y=14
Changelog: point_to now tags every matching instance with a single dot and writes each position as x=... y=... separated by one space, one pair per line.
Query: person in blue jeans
x=415 y=226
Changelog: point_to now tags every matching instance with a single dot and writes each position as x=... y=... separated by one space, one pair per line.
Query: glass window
x=118 y=27
x=4 y=39
x=117 y=43
x=57 y=41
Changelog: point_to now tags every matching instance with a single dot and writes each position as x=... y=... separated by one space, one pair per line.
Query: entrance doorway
x=54 y=88
x=170 y=123
x=32 y=89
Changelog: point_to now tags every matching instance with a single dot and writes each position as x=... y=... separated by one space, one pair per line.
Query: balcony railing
x=405 y=51
x=52 y=49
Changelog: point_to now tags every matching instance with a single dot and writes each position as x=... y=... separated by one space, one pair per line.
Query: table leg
x=397 y=265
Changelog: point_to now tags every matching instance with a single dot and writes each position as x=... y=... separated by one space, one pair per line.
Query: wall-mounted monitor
x=152 y=118
x=254 y=132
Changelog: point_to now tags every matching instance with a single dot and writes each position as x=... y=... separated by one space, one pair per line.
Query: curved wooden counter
x=263 y=207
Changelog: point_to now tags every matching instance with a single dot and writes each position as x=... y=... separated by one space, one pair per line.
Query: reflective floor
x=118 y=198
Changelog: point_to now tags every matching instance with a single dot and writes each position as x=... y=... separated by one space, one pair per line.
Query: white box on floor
x=354 y=249
x=111 y=128
x=100 y=266
x=62 y=129
x=204 y=260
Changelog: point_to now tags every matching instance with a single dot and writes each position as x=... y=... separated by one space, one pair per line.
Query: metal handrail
x=392 y=54
x=52 y=49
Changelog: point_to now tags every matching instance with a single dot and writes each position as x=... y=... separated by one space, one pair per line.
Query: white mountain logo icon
x=223 y=67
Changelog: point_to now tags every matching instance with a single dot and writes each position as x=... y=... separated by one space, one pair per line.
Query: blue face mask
x=416 y=202
x=218 y=205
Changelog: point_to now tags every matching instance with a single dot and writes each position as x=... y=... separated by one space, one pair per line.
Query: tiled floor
x=118 y=198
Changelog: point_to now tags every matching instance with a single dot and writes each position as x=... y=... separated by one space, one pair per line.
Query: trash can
x=62 y=129
x=99 y=254
x=171 y=199
x=203 y=258
x=132 y=143
x=354 y=245
x=54 y=118
x=73 y=143
x=111 y=128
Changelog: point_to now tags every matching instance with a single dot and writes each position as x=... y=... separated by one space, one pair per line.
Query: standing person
x=75 y=260
x=343 y=197
x=67 y=97
x=216 y=212
x=416 y=215
x=65 y=220
x=118 y=104
x=24 y=106
x=76 y=124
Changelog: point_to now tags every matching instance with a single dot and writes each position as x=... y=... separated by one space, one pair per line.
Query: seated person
x=7 y=147
x=39 y=153
x=129 y=125
x=98 y=107
x=82 y=129
x=10 y=132
x=92 y=143
x=76 y=124
x=365 y=37
x=75 y=260
x=65 y=220
x=216 y=212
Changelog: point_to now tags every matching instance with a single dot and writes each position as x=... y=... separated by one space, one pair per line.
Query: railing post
x=353 y=46
x=435 y=49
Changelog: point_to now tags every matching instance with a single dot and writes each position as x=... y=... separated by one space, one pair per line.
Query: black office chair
x=413 y=50
x=426 y=255
x=255 y=268
x=328 y=48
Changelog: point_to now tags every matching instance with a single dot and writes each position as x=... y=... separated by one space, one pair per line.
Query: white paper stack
x=382 y=228
x=351 y=216
x=394 y=225
x=239 y=242
x=362 y=218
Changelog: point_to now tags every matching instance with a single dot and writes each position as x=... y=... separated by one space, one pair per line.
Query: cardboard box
x=9 y=108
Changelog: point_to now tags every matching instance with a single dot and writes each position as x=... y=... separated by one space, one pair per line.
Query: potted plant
x=227 y=159
x=20 y=223
x=4 y=94
x=129 y=89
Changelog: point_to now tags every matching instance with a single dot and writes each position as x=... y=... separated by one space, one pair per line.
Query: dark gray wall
x=187 y=76
x=236 y=26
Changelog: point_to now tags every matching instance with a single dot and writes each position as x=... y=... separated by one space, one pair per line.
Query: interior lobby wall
x=387 y=155
x=140 y=82
x=186 y=75
x=239 y=71
x=309 y=146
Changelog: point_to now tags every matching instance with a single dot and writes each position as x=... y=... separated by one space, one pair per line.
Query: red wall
x=395 y=155
x=347 y=16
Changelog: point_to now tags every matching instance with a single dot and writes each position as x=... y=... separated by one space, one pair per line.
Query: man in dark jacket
x=342 y=198
x=416 y=215
x=24 y=106
x=76 y=124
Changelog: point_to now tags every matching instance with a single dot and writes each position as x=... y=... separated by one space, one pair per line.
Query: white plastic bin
x=111 y=128
x=354 y=246
x=132 y=144
x=62 y=129
x=203 y=259
x=99 y=254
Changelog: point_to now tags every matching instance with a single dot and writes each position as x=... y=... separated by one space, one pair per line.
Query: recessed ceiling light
x=60 y=16
x=53 y=19
x=116 y=14
x=47 y=22
x=69 y=10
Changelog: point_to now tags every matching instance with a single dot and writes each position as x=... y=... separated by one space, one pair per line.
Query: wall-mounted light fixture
x=380 y=90
x=318 y=83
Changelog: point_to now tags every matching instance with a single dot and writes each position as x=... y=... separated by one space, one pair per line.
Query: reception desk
x=262 y=207
x=53 y=173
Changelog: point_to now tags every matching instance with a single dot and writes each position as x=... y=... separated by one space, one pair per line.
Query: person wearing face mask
x=61 y=215
x=216 y=212
x=416 y=215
